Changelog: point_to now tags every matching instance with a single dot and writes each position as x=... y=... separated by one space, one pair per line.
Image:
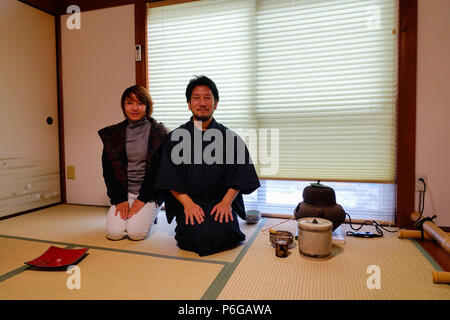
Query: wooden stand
x=431 y=232
x=441 y=237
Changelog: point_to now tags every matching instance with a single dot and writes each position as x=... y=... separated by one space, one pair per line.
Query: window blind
x=319 y=76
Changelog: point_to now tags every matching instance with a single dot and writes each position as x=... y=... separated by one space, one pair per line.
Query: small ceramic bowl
x=253 y=216
x=282 y=235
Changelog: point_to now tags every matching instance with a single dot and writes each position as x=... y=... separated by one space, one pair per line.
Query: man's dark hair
x=201 y=81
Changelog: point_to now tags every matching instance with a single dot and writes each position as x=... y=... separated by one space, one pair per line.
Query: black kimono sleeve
x=114 y=189
x=170 y=176
x=242 y=176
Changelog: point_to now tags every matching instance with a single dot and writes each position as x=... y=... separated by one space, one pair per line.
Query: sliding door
x=29 y=148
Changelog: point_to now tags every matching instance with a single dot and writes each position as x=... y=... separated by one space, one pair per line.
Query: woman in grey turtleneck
x=128 y=148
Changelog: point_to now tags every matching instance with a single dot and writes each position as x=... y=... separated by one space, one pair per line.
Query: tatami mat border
x=222 y=278
x=23 y=268
x=74 y=245
x=430 y=259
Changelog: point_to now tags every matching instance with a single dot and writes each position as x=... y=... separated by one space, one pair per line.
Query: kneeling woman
x=129 y=163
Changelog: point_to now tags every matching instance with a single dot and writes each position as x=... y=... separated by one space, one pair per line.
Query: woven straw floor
x=404 y=272
x=156 y=268
x=85 y=226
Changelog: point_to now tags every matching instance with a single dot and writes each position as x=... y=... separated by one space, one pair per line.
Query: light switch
x=71 y=172
x=138 y=53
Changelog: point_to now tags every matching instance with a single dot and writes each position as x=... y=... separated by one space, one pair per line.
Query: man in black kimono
x=205 y=169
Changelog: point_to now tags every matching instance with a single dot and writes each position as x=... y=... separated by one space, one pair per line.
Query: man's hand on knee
x=222 y=211
x=194 y=212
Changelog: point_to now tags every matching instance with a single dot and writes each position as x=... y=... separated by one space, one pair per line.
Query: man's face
x=202 y=104
x=134 y=109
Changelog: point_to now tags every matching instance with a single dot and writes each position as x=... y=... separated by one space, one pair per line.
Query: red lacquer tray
x=57 y=257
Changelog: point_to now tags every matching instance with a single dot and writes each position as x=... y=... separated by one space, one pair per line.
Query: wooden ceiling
x=58 y=7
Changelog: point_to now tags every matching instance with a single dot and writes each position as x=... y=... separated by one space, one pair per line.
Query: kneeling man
x=205 y=169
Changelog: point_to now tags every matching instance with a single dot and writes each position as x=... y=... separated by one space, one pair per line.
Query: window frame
x=406 y=96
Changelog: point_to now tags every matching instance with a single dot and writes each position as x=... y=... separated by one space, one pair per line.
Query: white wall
x=97 y=65
x=433 y=105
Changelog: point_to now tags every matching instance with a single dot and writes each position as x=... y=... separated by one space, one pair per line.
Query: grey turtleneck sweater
x=136 y=138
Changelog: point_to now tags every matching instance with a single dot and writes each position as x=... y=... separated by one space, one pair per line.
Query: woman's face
x=134 y=109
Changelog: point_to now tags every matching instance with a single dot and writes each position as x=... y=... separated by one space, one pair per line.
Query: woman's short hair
x=201 y=81
x=142 y=95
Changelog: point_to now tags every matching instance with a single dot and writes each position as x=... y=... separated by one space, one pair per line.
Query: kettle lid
x=315 y=223
x=318 y=185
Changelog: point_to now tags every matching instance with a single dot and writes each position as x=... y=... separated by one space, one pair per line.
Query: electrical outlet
x=419 y=185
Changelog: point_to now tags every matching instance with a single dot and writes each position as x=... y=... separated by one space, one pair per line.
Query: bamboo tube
x=276 y=215
x=361 y=221
x=442 y=238
x=441 y=276
x=412 y=234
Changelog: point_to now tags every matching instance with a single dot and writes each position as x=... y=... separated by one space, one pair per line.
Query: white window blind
x=213 y=38
x=321 y=74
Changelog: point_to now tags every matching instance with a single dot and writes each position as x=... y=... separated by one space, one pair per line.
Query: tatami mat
x=85 y=225
x=13 y=253
x=405 y=273
x=105 y=275
x=156 y=268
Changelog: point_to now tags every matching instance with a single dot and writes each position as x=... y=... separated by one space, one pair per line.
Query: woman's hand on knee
x=123 y=209
x=135 y=207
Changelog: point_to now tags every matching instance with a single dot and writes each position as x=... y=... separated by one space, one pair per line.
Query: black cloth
x=206 y=184
x=115 y=161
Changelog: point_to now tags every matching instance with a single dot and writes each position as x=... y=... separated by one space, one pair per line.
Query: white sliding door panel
x=29 y=149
